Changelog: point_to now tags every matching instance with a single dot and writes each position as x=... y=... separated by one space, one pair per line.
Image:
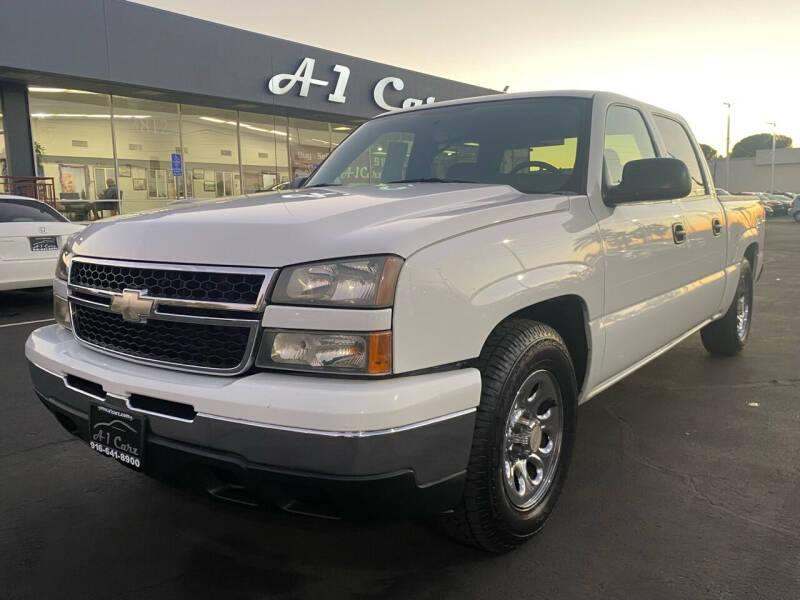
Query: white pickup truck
x=413 y=329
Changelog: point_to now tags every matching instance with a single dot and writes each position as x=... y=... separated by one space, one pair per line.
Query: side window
x=626 y=139
x=679 y=146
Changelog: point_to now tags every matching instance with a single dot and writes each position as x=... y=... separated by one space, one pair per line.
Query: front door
x=645 y=254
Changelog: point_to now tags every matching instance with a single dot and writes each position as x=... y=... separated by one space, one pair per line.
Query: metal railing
x=40 y=188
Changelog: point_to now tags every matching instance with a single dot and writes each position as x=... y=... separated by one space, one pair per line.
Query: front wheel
x=797 y=217
x=524 y=434
x=728 y=335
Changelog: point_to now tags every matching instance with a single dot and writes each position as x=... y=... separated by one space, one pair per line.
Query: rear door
x=705 y=223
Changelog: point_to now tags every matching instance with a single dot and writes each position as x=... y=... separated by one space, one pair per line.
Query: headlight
x=366 y=281
x=65 y=258
x=367 y=353
x=61 y=312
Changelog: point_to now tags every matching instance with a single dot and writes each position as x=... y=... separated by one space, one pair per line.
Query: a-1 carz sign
x=283 y=83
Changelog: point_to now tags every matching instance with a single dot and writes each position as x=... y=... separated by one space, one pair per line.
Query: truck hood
x=280 y=228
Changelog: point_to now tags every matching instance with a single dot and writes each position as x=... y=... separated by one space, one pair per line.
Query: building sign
x=303 y=78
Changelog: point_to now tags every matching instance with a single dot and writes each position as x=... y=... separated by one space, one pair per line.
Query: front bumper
x=401 y=468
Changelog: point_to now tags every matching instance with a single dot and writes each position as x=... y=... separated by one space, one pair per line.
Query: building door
x=228 y=183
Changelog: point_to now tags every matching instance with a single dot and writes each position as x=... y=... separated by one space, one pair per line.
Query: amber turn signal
x=379 y=359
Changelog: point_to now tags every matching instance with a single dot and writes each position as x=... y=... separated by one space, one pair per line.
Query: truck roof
x=605 y=97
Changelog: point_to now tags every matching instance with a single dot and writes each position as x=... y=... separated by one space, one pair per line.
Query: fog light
x=61 y=312
x=368 y=353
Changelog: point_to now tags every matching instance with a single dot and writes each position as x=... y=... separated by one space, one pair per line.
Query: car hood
x=293 y=226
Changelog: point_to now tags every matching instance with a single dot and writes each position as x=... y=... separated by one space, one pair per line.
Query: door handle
x=716 y=226
x=678 y=233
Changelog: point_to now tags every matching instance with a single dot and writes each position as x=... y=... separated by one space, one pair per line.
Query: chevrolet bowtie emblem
x=132 y=306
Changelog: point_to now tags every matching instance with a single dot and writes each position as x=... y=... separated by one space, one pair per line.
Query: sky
x=683 y=55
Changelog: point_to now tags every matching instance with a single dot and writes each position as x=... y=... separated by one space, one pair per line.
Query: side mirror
x=297 y=182
x=651 y=179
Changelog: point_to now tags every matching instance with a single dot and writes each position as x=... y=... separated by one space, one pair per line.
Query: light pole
x=772 y=165
x=728 y=149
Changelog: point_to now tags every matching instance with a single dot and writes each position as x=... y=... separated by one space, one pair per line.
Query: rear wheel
x=728 y=335
x=524 y=434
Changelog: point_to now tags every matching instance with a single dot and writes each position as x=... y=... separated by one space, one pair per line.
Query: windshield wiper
x=322 y=185
x=432 y=180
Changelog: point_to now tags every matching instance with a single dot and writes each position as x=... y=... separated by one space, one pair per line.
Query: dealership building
x=759 y=173
x=111 y=100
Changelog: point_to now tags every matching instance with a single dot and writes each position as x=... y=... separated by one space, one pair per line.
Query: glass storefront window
x=265 y=155
x=339 y=131
x=210 y=152
x=3 y=163
x=146 y=134
x=309 y=144
x=72 y=144
x=282 y=149
x=110 y=154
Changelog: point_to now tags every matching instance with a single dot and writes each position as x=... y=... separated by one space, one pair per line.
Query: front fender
x=451 y=295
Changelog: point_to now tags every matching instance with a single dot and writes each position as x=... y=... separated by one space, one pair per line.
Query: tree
x=760 y=141
x=709 y=152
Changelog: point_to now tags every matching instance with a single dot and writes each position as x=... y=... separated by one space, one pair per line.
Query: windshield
x=536 y=145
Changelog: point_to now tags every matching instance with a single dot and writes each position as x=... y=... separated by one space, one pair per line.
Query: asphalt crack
x=33 y=448
x=631 y=449
x=737 y=386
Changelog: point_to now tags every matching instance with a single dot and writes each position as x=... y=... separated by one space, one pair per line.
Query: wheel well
x=750 y=254
x=567 y=315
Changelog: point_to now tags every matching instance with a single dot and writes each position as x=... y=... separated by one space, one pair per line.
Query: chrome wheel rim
x=532 y=440
x=742 y=315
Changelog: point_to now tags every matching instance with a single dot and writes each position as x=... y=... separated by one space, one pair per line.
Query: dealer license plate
x=47 y=243
x=117 y=434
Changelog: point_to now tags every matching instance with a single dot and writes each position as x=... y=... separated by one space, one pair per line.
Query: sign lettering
x=341 y=84
x=283 y=83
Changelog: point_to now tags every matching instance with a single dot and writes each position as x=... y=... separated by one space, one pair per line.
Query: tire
x=494 y=514
x=797 y=217
x=725 y=337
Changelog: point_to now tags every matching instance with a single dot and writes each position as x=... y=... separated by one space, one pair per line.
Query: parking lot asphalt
x=685 y=483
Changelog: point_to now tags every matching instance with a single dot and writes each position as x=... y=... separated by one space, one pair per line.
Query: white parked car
x=414 y=328
x=31 y=235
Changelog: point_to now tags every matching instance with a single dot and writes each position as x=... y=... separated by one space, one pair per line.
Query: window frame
x=694 y=147
x=653 y=140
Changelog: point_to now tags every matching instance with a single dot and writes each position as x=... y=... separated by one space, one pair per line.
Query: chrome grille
x=205 y=285
x=201 y=319
x=190 y=344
